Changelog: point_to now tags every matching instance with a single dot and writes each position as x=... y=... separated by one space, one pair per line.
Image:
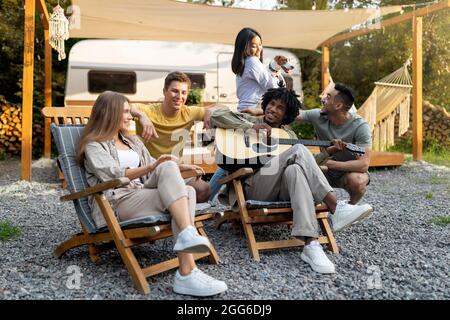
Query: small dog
x=280 y=62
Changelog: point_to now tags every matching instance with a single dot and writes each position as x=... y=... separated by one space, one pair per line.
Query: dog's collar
x=272 y=68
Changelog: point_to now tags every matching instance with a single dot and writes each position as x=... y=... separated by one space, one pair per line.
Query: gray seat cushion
x=157 y=219
x=66 y=138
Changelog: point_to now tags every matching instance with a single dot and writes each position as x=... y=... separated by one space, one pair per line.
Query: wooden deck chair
x=260 y=212
x=66 y=115
x=124 y=235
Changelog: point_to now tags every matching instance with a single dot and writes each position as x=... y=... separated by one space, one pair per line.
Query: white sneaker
x=197 y=283
x=317 y=259
x=347 y=214
x=190 y=241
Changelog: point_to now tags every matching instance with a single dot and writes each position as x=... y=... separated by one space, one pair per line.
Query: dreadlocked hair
x=288 y=97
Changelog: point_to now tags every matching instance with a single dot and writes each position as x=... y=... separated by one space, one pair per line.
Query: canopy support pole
x=325 y=66
x=27 y=90
x=48 y=93
x=417 y=88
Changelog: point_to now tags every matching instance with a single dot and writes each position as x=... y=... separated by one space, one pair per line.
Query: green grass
x=439 y=180
x=441 y=159
x=441 y=220
x=429 y=196
x=434 y=152
x=8 y=231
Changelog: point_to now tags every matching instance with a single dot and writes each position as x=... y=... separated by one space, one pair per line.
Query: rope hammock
x=391 y=96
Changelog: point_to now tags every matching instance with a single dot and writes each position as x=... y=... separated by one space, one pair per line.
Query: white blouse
x=128 y=158
x=254 y=82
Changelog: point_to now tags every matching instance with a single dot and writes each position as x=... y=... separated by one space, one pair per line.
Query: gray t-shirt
x=356 y=130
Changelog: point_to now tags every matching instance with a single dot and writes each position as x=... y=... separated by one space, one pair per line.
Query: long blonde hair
x=105 y=121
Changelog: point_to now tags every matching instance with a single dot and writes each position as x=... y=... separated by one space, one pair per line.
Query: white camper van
x=138 y=68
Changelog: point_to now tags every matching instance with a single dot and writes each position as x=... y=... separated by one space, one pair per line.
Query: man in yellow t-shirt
x=165 y=126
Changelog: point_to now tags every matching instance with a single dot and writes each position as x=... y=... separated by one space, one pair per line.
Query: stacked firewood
x=10 y=127
x=436 y=123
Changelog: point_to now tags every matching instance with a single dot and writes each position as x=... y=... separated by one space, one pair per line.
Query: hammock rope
x=390 y=97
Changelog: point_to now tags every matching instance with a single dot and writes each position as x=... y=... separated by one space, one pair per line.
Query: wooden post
x=48 y=93
x=325 y=67
x=27 y=90
x=417 y=88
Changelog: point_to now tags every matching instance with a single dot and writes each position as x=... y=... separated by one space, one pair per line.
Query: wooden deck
x=386 y=159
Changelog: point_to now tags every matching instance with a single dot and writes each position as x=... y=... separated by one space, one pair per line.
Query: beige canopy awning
x=178 y=21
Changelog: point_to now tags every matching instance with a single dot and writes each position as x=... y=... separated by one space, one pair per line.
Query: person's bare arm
x=141 y=171
x=299 y=117
x=359 y=165
x=148 y=129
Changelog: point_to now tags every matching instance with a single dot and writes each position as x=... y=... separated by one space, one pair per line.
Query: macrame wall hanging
x=58 y=31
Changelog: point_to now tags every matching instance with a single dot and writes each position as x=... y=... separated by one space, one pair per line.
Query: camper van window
x=197 y=80
x=120 y=81
x=289 y=82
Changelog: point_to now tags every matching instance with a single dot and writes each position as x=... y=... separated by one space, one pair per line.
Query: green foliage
x=194 y=97
x=363 y=60
x=429 y=196
x=225 y=3
x=441 y=220
x=8 y=231
x=11 y=61
x=304 y=130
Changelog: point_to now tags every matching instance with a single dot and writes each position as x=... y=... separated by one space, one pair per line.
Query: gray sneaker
x=190 y=241
x=347 y=214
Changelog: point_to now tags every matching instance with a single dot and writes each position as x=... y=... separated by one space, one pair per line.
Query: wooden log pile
x=10 y=128
x=436 y=125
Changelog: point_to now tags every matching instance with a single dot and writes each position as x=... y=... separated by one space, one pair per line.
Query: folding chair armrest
x=113 y=183
x=239 y=174
x=191 y=173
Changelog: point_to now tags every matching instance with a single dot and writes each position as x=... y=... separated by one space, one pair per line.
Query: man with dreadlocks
x=292 y=176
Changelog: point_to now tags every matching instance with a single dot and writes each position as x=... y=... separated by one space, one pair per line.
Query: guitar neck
x=313 y=143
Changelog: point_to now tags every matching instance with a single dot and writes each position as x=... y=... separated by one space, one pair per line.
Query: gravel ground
x=395 y=254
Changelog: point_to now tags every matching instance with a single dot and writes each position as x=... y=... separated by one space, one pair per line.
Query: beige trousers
x=161 y=189
x=294 y=177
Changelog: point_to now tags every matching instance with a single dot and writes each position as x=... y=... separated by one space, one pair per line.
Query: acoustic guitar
x=236 y=149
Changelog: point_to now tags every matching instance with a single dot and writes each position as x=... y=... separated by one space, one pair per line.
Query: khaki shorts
x=336 y=178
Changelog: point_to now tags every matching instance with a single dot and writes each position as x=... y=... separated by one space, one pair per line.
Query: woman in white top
x=253 y=79
x=156 y=186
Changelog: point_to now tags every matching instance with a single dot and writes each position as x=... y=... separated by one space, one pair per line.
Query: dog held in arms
x=280 y=63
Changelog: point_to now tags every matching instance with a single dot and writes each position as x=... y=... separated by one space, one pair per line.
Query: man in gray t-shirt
x=334 y=121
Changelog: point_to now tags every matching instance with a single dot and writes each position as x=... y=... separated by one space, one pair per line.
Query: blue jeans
x=214 y=182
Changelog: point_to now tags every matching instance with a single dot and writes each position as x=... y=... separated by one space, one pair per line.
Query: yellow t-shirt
x=172 y=131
